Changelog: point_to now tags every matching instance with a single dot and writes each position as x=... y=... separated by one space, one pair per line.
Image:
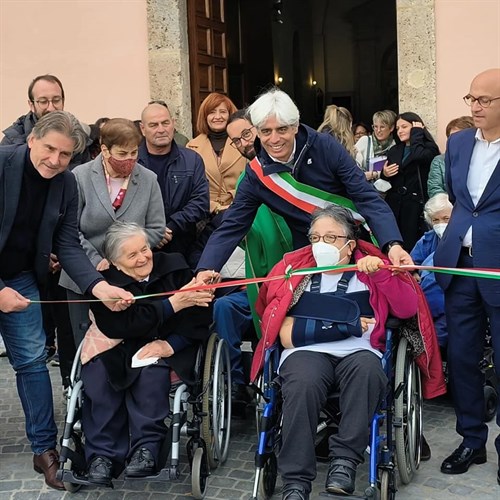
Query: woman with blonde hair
x=338 y=122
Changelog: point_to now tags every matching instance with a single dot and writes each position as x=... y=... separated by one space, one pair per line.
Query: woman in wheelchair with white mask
x=125 y=407
x=332 y=328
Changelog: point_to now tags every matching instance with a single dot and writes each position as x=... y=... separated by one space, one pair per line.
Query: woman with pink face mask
x=112 y=187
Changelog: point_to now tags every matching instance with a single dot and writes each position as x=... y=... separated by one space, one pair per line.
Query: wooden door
x=207 y=51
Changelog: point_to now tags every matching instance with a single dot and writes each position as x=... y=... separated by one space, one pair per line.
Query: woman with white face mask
x=437 y=212
x=332 y=328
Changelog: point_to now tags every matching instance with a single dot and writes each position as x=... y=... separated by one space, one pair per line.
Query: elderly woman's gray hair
x=64 y=123
x=434 y=205
x=341 y=216
x=117 y=234
x=274 y=103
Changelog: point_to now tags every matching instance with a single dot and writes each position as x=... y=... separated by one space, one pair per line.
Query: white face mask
x=439 y=228
x=326 y=255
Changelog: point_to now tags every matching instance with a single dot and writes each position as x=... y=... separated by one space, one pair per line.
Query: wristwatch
x=389 y=245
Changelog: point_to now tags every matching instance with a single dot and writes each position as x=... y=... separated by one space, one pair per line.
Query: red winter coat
x=398 y=296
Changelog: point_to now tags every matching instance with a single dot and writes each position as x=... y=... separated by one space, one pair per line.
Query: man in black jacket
x=38 y=216
x=181 y=176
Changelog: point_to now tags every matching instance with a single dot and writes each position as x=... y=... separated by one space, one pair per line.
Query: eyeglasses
x=43 y=103
x=327 y=238
x=483 y=101
x=245 y=134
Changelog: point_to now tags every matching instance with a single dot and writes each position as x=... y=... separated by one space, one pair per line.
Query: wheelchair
x=395 y=430
x=201 y=412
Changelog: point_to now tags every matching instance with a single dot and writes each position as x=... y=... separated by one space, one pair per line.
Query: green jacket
x=435 y=182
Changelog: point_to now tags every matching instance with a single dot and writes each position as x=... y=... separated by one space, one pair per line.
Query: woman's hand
x=391 y=170
x=366 y=322
x=156 y=349
x=103 y=265
x=181 y=300
x=369 y=264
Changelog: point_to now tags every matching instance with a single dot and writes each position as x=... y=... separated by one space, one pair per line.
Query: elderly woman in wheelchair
x=332 y=329
x=126 y=371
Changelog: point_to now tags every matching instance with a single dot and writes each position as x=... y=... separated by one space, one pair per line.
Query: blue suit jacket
x=58 y=232
x=484 y=217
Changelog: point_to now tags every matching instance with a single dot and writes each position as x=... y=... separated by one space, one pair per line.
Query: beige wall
x=98 y=49
x=467 y=42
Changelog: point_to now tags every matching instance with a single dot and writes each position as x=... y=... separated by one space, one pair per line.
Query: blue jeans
x=232 y=318
x=24 y=339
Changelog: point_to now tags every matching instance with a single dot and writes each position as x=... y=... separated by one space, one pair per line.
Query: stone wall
x=169 y=58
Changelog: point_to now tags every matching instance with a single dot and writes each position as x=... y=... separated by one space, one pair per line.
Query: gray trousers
x=306 y=379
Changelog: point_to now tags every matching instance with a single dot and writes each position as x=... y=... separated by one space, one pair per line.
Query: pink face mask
x=122 y=167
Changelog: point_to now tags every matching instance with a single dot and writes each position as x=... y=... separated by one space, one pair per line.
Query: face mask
x=325 y=254
x=122 y=167
x=439 y=229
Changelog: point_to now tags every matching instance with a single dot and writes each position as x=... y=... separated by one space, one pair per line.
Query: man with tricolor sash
x=295 y=171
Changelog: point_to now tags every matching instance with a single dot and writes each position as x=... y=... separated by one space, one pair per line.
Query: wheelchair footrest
x=325 y=494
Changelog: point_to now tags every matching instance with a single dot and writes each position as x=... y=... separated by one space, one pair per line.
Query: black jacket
x=150 y=319
x=58 y=231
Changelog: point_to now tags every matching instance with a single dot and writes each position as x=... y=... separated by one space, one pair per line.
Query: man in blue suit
x=472 y=239
x=38 y=216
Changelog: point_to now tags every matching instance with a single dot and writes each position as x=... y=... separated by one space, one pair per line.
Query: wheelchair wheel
x=268 y=477
x=388 y=485
x=216 y=403
x=490 y=402
x=408 y=412
x=199 y=474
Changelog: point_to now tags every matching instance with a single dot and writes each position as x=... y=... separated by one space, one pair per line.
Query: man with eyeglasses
x=308 y=160
x=181 y=176
x=242 y=134
x=45 y=95
x=471 y=239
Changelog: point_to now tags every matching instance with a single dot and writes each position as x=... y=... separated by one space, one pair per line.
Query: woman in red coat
x=333 y=333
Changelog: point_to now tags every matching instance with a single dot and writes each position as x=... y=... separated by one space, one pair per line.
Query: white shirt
x=339 y=348
x=485 y=157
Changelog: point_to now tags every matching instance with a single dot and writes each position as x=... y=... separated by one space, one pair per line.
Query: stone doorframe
x=168 y=54
x=169 y=58
x=417 y=59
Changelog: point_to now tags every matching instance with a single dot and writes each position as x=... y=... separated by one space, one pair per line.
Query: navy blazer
x=58 y=232
x=322 y=163
x=484 y=217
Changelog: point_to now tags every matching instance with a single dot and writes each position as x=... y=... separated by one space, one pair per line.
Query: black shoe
x=462 y=458
x=425 y=450
x=341 y=476
x=294 y=491
x=100 y=471
x=239 y=394
x=239 y=400
x=141 y=464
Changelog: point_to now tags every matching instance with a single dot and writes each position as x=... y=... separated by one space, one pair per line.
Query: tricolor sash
x=302 y=196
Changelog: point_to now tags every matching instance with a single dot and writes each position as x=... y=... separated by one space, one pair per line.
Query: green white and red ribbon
x=467 y=272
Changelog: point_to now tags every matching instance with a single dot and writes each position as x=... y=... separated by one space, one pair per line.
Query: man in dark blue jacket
x=181 y=176
x=313 y=159
x=38 y=216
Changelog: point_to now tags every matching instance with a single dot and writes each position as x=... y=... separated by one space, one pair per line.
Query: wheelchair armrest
x=392 y=323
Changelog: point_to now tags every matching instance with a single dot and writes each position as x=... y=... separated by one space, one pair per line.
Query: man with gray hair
x=38 y=215
x=296 y=170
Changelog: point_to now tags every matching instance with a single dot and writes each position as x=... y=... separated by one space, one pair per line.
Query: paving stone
x=234 y=479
